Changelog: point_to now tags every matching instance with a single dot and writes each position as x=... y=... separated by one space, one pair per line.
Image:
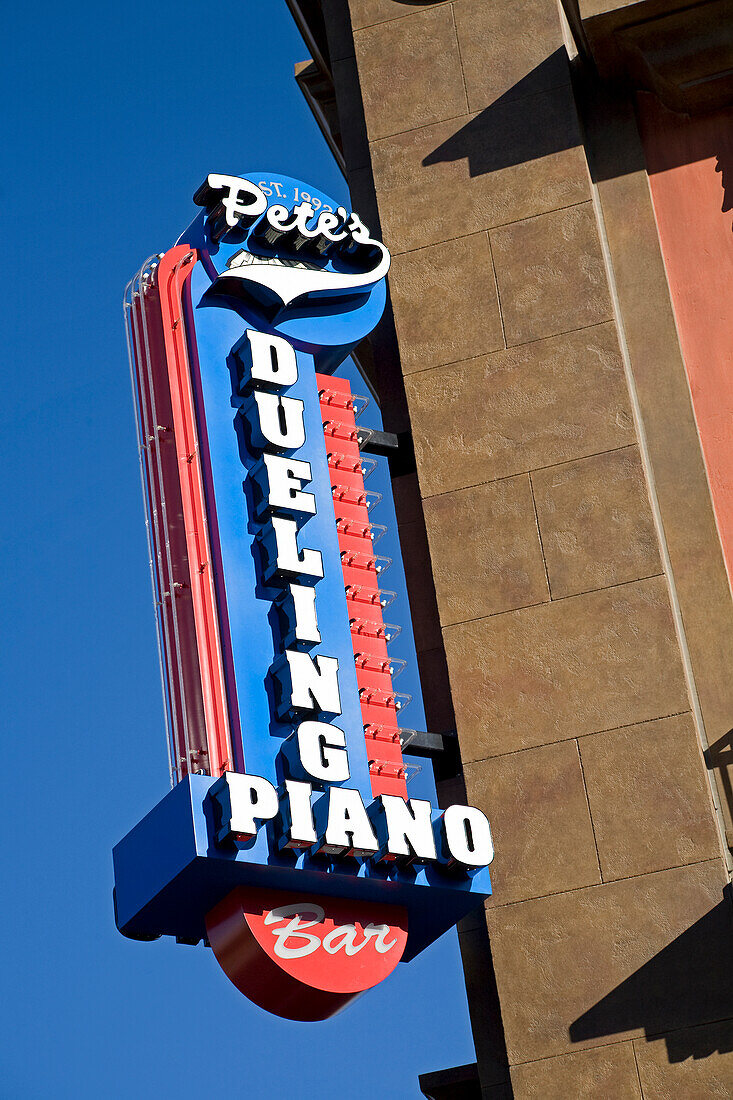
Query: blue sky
x=113 y=115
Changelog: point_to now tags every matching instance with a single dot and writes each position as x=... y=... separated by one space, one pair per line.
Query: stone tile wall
x=607 y=926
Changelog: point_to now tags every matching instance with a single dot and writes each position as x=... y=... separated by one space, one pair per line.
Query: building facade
x=554 y=184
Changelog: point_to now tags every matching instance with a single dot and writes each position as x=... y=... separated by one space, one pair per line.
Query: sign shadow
x=687 y=982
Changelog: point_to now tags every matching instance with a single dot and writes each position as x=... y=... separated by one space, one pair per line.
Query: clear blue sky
x=113 y=114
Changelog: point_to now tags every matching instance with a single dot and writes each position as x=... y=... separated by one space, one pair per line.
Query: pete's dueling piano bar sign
x=288 y=842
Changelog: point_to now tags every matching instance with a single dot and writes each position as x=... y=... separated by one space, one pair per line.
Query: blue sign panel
x=290 y=809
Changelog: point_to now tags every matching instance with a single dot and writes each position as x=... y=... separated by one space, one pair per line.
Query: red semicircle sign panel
x=302 y=956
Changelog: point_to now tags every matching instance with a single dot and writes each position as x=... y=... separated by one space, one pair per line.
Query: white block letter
x=244 y=799
x=301 y=830
x=308 y=683
x=322 y=751
x=272 y=360
x=282 y=481
x=409 y=828
x=299 y=607
x=275 y=421
x=287 y=558
x=348 y=830
x=468 y=836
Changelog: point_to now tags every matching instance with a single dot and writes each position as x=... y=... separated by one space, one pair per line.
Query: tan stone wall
x=610 y=939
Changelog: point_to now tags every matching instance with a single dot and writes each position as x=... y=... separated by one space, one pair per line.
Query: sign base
x=170 y=873
x=304 y=957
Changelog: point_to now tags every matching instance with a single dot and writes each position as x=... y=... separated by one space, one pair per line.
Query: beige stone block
x=696 y=1064
x=596 y=522
x=364 y=13
x=393 y=60
x=551 y=274
x=606 y=1073
x=510 y=49
x=445 y=303
x=485 y=550
x=464 y=175
x=517 y=410
x=560 y=670
x=594 y=966
x=649 y=798
x=543 y=837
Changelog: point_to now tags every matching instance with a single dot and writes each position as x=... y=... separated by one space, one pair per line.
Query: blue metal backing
x=253 y=623
x=170 y=873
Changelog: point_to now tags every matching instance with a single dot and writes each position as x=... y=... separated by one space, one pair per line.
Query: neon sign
x=288 y=842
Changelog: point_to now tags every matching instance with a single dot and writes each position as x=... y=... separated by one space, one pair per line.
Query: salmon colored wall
x=690 y=166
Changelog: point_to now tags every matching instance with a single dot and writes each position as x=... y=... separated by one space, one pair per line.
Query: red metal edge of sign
x=304 y=957
x=174 y=270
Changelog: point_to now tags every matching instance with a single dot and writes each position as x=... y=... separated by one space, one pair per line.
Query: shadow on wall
x=511 y=132
x=689 y=982
x=705 y=137
x=724 y=165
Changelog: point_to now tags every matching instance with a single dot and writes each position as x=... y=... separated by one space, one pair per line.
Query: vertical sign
x=289 y=842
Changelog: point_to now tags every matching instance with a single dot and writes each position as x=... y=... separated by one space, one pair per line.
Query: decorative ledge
x=683 y=54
